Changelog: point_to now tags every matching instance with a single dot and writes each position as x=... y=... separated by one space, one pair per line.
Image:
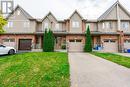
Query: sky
x=62 y=9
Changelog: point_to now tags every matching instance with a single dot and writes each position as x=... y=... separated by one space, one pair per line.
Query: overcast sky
x=62 y=9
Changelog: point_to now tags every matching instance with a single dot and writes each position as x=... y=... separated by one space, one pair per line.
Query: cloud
x=63 y=8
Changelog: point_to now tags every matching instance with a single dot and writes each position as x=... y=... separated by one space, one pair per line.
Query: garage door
x=110 y=45
x=9 y=42
x=127 y=44
x=75 y=46
x=25 y=44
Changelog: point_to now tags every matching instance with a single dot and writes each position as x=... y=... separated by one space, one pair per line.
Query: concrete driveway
x=90 y=71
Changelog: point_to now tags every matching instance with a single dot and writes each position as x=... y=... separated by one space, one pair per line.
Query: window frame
x=26 y=24
x=10 y=24
x=75 y=24
x=123 y=25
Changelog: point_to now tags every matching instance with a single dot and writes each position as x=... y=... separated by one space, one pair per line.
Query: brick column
x=121 y=41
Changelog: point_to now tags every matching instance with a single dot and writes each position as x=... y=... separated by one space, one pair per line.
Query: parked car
x=7 y=50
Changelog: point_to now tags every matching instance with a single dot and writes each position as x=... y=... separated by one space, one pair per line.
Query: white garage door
x=9 y=42
x=110 y=45
x=127 y=44
x=75 y=46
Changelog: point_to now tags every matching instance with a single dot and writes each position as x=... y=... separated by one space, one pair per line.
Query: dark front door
x=25 y=44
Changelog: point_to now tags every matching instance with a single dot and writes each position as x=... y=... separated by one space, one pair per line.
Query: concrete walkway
x=124 y=54
x=89 y=71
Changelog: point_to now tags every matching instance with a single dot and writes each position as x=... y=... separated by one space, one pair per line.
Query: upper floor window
x=57 y=26
x=125 y=25
x=87 y=25
x=107 y=25
x=10 y=24
x=75 y=24
x=103 y=25
x=46 y=25
x=26 y=24
x=18 y=12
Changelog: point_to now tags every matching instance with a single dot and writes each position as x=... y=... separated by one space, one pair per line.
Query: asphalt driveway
x=90 y=71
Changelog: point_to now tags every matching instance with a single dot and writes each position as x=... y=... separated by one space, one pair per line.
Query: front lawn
x=121 y=60
x=35 y=70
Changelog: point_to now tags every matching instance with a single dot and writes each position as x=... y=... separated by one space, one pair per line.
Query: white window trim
x=57 y=26
x=75 y=24
x=26 y=24
x=18 y=12
x=46 y=25
x=107 y=25
x=125 y=25
x=10 y=24
x=103 y=25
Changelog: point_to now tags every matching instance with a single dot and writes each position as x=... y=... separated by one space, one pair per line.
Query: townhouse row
x=110 y=32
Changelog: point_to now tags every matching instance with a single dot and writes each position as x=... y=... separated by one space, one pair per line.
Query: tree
x=48 y=41
x=45 y=41
x=51 y=40
x=3 y=22
x=88 y=42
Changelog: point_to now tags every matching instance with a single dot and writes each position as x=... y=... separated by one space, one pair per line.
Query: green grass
x=35 y=70
x=121 y=60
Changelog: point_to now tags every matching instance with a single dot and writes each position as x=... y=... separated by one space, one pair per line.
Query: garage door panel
x=127 y=44
x=75 y=45
x=110 y=46
x=9 y=42
x=25 y=44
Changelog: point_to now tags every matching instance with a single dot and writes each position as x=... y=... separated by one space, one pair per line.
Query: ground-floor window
x=8 y=40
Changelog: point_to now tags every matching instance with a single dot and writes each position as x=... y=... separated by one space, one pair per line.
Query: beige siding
x=113 y=29
x=93 y=26
x=123 y=14
x=126 y=30
x=18 y=24
x=52 y=23
x=112 y=15
x=76 y=17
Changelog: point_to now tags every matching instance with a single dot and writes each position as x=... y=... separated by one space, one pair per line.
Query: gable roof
x=27 y=15
x=111 y=8
x=77 y=13
x=50 y=13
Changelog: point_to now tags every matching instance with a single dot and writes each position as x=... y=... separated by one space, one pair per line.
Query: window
x=103 y=25
x=87 y=25
x=46 y=26
x=71 y=40
x=26 y=24
x=10 y=24
x=127 y=41
x=107 y=25
x=18 y=12
x=125 y=25
x=8 y=40
x=110 y=41
x=78 y=40
x=57 y=26
x=75 y=24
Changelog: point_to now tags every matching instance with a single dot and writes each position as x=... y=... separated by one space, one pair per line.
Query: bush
x=63 y=47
